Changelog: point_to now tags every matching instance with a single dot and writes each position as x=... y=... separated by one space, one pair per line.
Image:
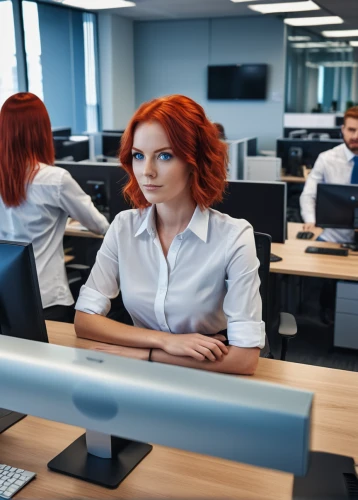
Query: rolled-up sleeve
x=103 y=282
x=242 y=303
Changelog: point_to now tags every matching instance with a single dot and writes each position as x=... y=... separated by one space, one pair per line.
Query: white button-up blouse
x=207 y=283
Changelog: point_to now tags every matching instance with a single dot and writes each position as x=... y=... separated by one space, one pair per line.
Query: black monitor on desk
x=21 y=312
x=74 y=150
x=110 y=144
x=104 y=182
x=337 y=207
x=302 y=151
x=263 y=204
x=61 y=131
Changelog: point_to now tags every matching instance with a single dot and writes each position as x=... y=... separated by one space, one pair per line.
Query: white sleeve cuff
x=92 y=302
x=246 y=334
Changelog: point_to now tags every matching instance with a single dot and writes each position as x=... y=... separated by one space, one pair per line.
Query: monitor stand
x=329 y=476
x=9 y=418
x=100 y=458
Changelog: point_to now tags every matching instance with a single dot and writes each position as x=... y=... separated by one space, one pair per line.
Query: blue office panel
x=56 y=61
x=79 y=100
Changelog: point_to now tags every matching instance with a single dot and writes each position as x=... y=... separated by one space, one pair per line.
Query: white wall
x=116 y=70
x=172 y=57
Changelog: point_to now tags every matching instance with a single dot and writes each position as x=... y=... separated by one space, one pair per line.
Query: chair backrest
x=263 y=250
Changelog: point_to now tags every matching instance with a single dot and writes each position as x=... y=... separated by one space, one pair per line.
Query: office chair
x=287 y=325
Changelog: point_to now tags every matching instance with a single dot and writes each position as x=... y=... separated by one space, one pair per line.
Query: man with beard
x=335 y=166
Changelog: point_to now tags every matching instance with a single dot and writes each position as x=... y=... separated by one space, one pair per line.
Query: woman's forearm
x=238 y=361
x=102 y=329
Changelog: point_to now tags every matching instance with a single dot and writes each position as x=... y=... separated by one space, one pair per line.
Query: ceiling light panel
x=299 y=38
x=98 y=4
x=340 y=33
x=353 y=43
x=313 y=21
x=274 y=8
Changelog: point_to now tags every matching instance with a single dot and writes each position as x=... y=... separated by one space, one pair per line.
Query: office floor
x=313 y=344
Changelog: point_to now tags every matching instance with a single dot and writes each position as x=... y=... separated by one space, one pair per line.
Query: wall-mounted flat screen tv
x=239 y=81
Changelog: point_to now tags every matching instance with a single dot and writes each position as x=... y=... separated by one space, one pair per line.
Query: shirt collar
x=148 y=223
x=349 y=154
x=198 y=224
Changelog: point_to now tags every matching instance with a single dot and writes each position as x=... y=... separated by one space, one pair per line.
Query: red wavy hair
x=193 y=138
x=25 y=141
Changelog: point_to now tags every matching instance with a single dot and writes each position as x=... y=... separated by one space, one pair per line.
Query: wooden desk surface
x=293 y=179
x=72 y=231
x=169 y=473
x=295 y=261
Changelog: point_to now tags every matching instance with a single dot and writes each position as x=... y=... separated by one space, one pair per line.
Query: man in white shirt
x=335 y=166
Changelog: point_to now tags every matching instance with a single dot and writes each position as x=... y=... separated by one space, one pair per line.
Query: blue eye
x=138 y=156
x=165 y=156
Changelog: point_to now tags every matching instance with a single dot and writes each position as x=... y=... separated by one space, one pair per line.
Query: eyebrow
x=156 y=151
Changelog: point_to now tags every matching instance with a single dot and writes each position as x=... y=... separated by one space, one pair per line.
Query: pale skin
x=165 y=181
x=350 y=137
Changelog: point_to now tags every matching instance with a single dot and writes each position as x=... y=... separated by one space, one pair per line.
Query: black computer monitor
x=21 y=313
x=252 y=146
x=65 y=148
x=263 y=204
x=111 y=144
x=307 y=150
x=337 y=206
x=61 y=131
x=104 y=182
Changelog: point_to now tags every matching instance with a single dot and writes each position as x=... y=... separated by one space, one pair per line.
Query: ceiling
x=146 y=10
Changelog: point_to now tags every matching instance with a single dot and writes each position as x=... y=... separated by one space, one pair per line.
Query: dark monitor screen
x=21 y=312
x=71 y=150
x=337 y=206
x=309 y=150
x=240 y=81
x=252 y=146
x=61 y=132
x=111 y=144
x=263 y=204
x=103 y=183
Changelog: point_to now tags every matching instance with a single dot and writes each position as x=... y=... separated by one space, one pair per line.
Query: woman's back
x=51 y=197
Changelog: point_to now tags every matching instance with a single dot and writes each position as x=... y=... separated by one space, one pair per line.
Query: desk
x=295 y=261
x=290 y=179
x=169 y=473
x=72 y=231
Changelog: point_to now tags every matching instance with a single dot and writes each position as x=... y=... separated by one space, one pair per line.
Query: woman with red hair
x=186 y=271
x=36 y=198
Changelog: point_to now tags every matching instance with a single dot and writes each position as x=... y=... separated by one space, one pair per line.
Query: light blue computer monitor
x=225 y=416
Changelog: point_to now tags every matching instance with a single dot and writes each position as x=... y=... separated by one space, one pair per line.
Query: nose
x=149 y=168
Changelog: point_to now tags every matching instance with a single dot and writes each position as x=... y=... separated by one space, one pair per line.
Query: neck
x=173 y=218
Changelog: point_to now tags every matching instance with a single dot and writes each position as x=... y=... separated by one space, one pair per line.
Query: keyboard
x=274 y=258
x=12 y=480
x=327 y=251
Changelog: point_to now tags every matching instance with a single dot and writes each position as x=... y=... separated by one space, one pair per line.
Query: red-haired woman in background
x=36 y=198
x=186 y=272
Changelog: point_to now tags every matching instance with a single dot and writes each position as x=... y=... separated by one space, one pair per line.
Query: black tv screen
x=239 y=81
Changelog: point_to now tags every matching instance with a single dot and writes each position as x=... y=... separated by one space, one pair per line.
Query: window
x=90 y=72
x=8 y=66
x=33 y=48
